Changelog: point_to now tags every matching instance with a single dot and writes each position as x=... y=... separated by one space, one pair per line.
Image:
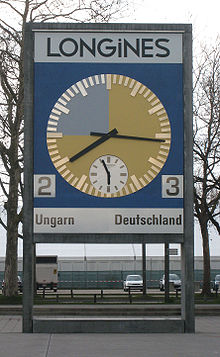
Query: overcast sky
x=204 y=17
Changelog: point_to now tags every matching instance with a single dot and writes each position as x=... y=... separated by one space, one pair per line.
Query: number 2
x=44 y=186
x=46 y=181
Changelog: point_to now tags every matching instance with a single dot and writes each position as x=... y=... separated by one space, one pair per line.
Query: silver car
x=173 y=278
x=20 y=285
x=216 y=283
x=133 y=282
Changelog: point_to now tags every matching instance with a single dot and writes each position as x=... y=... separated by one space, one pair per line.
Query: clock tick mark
x=61 y=108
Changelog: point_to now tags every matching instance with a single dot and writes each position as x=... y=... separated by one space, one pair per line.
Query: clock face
x=83 y=152
x=108 y=174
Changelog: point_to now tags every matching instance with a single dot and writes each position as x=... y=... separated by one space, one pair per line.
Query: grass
x=13 y=300
x=108 y=299
x=213 y=299
x=120 y=299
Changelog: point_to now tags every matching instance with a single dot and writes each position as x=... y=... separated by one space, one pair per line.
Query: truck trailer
x=47 y=272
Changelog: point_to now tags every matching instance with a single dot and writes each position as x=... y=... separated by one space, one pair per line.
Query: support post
x=28 y=245
x=28 y=291
x=187 y=248
x=144 y=268
x=167 y=271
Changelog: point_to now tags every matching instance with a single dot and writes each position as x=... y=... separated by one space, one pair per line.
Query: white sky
x=204 y=17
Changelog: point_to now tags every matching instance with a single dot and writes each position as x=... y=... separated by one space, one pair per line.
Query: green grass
x=12 y=300
x=213 y=299
x=108 y=299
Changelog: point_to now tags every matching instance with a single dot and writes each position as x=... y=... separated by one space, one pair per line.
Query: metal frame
x=186 y=239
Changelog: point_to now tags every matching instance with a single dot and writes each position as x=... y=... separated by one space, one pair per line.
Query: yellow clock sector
x=108 y=115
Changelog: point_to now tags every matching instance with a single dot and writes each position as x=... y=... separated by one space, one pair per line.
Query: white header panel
x=104 y=47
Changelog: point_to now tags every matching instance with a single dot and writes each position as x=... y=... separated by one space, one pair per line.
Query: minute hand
x=101 y=140
x=118 y=136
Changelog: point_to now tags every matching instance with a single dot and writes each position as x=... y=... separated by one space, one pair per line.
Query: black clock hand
x=107 y=171
x=93 y=133
x=103 y=138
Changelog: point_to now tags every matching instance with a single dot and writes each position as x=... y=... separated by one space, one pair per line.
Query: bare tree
x=207 y=150
x=14 y=15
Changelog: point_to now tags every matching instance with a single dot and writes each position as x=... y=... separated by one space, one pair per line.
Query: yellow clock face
x=103 y=118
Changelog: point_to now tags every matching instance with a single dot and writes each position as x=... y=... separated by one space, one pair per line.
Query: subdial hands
x=107 y=171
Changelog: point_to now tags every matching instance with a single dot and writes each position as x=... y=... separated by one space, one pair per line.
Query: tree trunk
x=11 y=284
x=206 y=289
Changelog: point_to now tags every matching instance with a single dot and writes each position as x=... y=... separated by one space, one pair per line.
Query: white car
x=216 y=283
x=133 y=282
x=20 y=285
x=173 y=278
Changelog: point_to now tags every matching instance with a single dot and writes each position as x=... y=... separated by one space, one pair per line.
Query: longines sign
x=104 y=47
x=108 y=146
x=108 y=132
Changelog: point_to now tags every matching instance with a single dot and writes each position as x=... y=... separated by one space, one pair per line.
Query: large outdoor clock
x=108 y=135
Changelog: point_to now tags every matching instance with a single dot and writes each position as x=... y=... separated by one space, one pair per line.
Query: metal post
x=187 y=248
x=28 y=291
x=144 y=268
x=187 y=290
x=167 y=270
x=34 y=270
x=28 y=246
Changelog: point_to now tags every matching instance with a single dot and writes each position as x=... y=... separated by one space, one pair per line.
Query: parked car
x=133 y=282
x=216 y=283
x=173 y=278
x=20 y=285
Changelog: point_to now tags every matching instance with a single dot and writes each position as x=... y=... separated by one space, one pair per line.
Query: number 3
x=172 y=186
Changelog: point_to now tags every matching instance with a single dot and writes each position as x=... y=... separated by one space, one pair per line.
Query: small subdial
x=108 y=174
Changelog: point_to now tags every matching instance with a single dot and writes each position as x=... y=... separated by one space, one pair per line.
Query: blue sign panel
x=108 y=133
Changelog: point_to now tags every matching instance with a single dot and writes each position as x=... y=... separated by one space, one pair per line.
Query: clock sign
x=124 y=158
x=108 y=133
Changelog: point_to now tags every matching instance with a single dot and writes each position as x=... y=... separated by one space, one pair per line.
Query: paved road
x=204 y=343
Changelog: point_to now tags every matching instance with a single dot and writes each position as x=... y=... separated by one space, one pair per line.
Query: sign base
x=108 y=325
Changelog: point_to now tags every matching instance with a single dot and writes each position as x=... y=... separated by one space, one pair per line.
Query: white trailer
x=47 y=272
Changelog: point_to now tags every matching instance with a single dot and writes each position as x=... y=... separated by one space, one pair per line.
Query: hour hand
x=101 y=140
x=130 y=137
x=107 y=171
